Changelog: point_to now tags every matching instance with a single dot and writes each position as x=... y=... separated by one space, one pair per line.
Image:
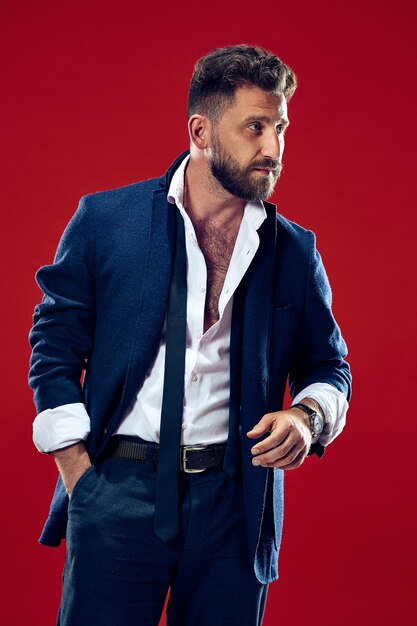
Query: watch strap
x=312 y=414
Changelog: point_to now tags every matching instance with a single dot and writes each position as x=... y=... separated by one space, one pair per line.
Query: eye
x=280 y=129
x=256 y=126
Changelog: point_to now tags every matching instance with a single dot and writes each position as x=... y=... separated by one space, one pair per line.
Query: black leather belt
x=193 y=459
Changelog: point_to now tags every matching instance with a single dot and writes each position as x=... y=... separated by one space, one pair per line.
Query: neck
x=205 y=199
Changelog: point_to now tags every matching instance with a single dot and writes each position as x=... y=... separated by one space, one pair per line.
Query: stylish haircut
x=219 y=73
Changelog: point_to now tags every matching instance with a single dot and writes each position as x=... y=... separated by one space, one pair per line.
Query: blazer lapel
x=257 y=323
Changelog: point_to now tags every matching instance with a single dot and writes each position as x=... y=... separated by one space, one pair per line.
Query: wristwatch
x=316 y=420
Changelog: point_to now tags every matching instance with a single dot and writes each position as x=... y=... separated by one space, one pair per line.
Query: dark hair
x=219 y=73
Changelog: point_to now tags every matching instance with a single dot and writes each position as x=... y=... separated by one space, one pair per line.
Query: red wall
x=93 y=97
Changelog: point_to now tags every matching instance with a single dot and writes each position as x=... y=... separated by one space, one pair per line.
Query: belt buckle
x=183 y=462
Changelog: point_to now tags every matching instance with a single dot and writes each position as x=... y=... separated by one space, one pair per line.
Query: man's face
x=247 y=144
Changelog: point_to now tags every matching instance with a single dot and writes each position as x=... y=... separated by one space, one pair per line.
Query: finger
x=280 y=427
x=281 y=456
x=262 y=427
x=279 y=442
x=299 y=460
x=283 y=433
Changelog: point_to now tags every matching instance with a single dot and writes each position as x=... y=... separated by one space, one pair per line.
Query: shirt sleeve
x=334 y=405
x=60 y=427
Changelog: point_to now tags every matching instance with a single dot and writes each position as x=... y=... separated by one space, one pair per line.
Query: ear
x=199 y=130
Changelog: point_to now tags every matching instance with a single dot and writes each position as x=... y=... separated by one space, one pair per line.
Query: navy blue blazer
x=103 y=309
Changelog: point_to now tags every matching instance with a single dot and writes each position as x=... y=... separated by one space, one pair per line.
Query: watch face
x=318 y=424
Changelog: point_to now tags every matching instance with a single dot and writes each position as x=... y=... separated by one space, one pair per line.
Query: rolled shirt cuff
x=334 y=405
x=60 y=427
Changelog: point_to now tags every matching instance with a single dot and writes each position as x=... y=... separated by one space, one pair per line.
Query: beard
x=243 y=182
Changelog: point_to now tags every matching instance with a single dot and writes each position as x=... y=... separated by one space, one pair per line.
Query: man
x=188 y=301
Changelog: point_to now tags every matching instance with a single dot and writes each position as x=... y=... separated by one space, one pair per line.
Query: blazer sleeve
x=320 y=349
x=63 y=323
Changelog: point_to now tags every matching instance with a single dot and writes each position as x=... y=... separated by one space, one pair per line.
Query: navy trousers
x=118 y=572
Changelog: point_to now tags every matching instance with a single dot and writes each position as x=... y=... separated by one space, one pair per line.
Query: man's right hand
x=72 y=462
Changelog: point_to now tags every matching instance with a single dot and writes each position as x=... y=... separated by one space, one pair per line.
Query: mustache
x=268 y=164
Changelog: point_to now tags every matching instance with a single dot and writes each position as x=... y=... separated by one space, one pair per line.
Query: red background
x=93 y=97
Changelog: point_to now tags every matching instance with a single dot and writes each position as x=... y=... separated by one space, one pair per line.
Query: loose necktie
x=166 y=511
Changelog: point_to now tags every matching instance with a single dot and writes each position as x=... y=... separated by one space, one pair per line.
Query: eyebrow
x=266 y=119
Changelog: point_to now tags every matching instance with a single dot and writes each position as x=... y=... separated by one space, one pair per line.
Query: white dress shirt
x=206 y=380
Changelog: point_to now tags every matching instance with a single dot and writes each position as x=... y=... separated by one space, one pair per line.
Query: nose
x=273 y=145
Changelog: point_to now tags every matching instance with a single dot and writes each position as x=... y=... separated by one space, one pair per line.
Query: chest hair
x=217 y=245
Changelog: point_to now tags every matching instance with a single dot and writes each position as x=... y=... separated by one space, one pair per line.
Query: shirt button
x=184 y=426
x=194 y=378
x=202 y=289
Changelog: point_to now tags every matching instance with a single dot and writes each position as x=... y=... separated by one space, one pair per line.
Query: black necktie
x=166 y=511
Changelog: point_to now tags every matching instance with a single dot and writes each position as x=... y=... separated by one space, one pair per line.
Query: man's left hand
x=289 y=440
